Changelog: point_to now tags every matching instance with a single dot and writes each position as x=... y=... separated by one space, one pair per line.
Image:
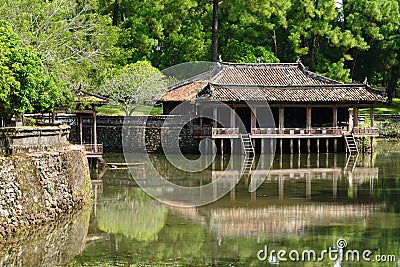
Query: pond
x=311 y=210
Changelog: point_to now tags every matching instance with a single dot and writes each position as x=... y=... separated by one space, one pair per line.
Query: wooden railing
x=369 y=130
x=297 y=131
x=94 y=149
x=225 y=131
x=202 y=131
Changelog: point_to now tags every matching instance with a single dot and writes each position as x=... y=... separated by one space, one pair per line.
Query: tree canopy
x=82 y=42
x=134 y=85
x=24 y=83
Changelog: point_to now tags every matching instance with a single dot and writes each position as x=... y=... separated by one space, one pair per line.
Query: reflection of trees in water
x=132 y=214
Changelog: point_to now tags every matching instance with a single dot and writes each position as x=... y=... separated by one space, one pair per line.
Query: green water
x=308 y=202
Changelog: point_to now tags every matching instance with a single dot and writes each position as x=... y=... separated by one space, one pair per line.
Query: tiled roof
x=268 y=74
x=336 y=93
x=184 y=93
x=275 y=82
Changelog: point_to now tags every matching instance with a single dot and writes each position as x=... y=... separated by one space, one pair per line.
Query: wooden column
x=372 y=122
x=201 y=118
x=335 y=145
x=281 y=117
x=299 y=145
x=233 y=117
x=222 y=146
x=215 y=117
x=308 y=119
x=318 y=145
x=94 y=127
x=334 y=112
x=291 y=145
x=355 y=117
x=308 y=146
x=253 y=118
x=281 y=145
x=80 y=130
x=271 y=145
x=262 y=145
x=327 y=145
x=372 y=117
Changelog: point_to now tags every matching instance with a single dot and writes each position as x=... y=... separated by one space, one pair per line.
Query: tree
x=76 y=43
x=241 y=52
x=25 y=86
x=134 y=85
x=214 y=34
x=378 y=23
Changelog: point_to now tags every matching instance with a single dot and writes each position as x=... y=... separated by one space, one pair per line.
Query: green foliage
x=134 y=85
x=25 y=84
x=113 y=110
x=135 y=216
x=81 y=41
x=336 y=71
x=76 y=43
x=236 y=51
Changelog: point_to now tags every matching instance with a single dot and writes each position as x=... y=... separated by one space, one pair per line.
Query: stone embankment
x=40 y=181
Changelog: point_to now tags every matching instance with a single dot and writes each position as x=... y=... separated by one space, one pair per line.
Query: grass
x=112 y=110
x=384 y=108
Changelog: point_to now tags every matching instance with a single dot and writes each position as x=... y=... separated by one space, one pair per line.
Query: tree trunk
x=214 y=44
x=115 y=13
x=392 y=86
x=275 y=44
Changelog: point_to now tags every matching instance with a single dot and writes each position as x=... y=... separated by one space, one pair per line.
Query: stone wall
x=109 y=133
x=14 y=140
x=40 y=186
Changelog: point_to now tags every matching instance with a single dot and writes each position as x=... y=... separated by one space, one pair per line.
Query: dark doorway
x=343 y=117
x=321 y=117
x=295 y=117
x=244 y=113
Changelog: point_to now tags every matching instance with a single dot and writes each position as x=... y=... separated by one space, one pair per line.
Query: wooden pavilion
x=86 y=104
x=280 y=105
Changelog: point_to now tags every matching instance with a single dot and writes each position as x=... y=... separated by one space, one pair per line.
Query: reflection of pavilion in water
x=254 y=214
x=290 y=214
x=351 y=173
